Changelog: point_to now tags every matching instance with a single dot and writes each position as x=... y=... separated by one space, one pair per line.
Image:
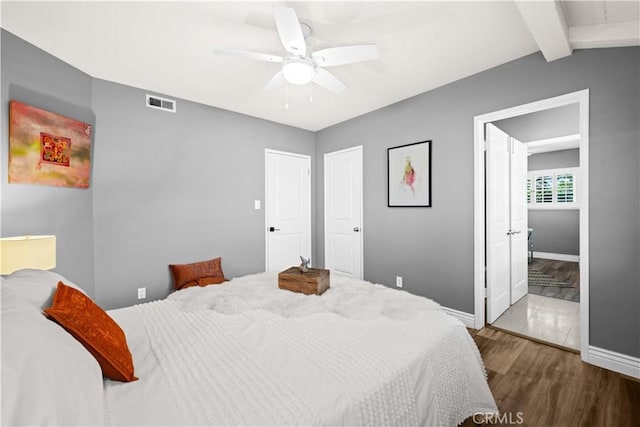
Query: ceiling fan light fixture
x=300 y=66
x=297 y=72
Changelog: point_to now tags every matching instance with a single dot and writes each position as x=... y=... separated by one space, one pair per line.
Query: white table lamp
x=27 y=252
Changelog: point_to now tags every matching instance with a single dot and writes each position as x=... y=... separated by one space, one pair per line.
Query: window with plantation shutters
x=564 y=188
x=552 y=189
x=544 y=189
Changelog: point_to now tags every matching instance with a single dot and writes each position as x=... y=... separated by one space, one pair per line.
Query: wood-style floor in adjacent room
x=552 y=387
x=565 y=271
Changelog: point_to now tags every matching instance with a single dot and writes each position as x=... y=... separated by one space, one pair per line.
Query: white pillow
x=48 y=378
x=35 y=286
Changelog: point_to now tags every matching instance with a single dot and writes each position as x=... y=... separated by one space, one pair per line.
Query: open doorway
x=550 y=310
x=581 y=101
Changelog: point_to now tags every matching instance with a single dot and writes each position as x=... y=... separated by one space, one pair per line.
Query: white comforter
x=248 y=353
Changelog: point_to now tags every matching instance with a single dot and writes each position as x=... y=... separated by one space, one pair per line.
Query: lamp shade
x=27 y=252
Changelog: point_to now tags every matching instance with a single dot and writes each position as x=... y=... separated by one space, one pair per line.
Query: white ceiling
x=599 y=12
x=167 y=47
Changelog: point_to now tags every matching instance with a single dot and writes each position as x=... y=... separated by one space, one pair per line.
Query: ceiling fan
x=299 y=66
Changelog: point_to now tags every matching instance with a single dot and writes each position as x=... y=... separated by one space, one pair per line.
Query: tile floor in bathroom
x=548 y=319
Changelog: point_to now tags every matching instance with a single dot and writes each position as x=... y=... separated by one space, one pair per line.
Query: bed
x=246 y=353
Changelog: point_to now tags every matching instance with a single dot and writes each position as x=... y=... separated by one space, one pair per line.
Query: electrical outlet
x=142 y=293
x=256 y=205
x=399 y=281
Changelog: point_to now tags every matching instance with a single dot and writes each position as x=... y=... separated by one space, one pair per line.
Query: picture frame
x=409 y=175
x=47 y=148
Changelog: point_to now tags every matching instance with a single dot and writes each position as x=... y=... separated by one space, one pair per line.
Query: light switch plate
x=256 y=205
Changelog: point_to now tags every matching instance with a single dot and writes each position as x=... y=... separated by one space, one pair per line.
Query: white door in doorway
x=506 y=221
x=519 y=222
x=287 y=209
x=343 y=234
x=498 y=224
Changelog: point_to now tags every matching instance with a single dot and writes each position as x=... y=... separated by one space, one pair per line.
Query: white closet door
x=497 y=222
x=519 y=221
x=343 y=212
x=287 y=209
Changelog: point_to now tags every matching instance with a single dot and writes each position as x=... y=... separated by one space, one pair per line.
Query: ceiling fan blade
x=328 y=81
x=345 y=55
x=249 y=55
x=289 y=30
x=276 y=81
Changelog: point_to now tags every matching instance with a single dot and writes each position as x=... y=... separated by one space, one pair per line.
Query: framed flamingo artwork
x=409 y=175
x=46 y=148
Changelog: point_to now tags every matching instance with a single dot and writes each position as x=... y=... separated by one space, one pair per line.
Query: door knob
x=356 y=229
x=272 y=229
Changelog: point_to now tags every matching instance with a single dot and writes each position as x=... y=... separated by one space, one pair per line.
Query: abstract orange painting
x=47 y=148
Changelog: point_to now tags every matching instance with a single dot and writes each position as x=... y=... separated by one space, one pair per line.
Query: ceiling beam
x=548 y=26
x=616 y=34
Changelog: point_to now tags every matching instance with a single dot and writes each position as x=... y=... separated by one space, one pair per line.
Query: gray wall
x=177 y=188
x=545 y=124
x=555 y=231
x=433 y=247
x=165 y=188
x=148 y=209
x=554 y=160
x=34 y=77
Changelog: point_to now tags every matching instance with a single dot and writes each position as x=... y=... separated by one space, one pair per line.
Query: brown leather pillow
x=197 y=273
x=95 y=330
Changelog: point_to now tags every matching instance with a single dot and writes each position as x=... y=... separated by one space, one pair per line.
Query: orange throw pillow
x=95 y=329
x=197 y=274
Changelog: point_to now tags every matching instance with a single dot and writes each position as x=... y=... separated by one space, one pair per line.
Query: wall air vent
x=161 y=103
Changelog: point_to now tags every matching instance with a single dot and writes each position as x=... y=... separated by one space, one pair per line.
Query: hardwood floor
x=565 y=271
x=540 y=385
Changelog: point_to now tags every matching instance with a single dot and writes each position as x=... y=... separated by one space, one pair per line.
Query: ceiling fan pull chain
x=286 y=95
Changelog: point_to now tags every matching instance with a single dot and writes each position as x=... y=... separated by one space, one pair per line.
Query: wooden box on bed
x=314 y=281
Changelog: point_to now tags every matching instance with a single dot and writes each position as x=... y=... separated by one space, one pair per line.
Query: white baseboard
x=558 y=257
x=467 y=319
x=618 y=362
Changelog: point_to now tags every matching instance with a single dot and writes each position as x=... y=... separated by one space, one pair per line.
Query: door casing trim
x=582 y=99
